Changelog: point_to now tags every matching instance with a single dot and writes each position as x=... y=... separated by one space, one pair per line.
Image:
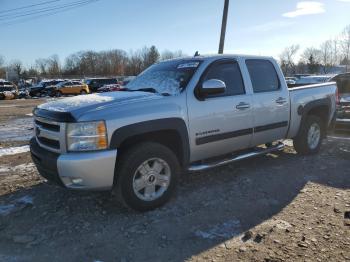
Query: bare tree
x=334 y=52
x=287 y=59
x=2 y=61
x=41 y=65
x=345 y=45
x=311 y=57
x=17 y=66
x=166 y=54
x=326 y=56
x=53 y=66
x=2 y=68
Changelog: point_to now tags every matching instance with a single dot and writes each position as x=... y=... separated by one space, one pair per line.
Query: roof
x=219 y=56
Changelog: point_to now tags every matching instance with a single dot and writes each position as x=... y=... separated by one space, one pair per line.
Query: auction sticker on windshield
x=188 y=65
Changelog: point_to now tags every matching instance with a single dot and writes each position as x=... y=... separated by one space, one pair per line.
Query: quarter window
x=263 y=75
x=230 y=74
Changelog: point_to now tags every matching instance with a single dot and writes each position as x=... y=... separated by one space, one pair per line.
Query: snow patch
x=225 y=230
x=72 y=103
x=20 y=129
x=16 y=205
x=13 y=150
x=4 y=106
x=23 y=168
x=288 y=142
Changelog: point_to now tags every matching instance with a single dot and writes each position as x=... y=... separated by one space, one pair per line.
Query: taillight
x=337 y=98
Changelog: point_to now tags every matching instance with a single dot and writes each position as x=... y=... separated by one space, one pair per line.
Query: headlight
x=86 y=136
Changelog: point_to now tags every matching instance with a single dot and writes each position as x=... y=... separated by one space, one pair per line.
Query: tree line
x=114 y=62
x=318 y=60
x=117 y=62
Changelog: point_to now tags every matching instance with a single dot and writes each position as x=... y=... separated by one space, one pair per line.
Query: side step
x=262 y=151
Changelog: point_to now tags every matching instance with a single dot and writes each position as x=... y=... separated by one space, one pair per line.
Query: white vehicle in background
x=290 y=80
x=309 y=80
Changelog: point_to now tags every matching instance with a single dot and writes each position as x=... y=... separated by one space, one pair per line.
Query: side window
x=230 y=74
x=263 y=75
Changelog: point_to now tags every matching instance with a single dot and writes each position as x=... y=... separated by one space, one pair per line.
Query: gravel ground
x=279 y=207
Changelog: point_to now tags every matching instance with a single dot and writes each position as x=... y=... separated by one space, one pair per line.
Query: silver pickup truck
x=178 y=116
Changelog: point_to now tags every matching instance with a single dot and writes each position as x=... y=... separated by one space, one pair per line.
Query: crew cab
x=178 y=116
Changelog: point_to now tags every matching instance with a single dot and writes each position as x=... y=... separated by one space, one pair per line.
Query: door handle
x=281 y=100
x=242 y=106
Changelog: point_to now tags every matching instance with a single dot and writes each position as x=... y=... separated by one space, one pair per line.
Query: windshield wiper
x=145 y=89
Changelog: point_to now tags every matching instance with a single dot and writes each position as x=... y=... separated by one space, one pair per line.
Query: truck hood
x=85 y=103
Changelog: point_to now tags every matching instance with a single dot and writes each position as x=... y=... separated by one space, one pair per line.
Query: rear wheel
x=147 y=176
x=309 y=139
x=58 y=93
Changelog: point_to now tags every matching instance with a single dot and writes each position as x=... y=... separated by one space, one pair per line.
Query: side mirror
x=212 y=87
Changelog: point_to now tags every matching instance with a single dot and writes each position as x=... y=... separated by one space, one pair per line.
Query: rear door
x=222 y=123
x=271 y=108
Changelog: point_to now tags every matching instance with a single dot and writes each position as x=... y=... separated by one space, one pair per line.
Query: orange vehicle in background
x=69 y=88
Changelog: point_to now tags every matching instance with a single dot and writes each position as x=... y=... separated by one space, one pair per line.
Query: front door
x=222 y=123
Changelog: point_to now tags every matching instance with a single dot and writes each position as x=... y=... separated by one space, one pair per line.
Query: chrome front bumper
x=93 y=170
x=85 y=171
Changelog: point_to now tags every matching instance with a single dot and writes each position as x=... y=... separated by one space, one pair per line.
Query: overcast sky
x=254 y=26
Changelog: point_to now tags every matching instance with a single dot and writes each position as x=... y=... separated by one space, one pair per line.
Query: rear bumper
x=85 y=171
x=342 y=124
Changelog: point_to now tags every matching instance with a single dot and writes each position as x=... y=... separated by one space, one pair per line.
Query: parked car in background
x=298 y=76
x=39 y=89
x=8 y=90
x=290 y=80
x=96 y=83
x=343 y=110
x=23 y=92
x=68 y=88
x=310 y=80
x=110 y=88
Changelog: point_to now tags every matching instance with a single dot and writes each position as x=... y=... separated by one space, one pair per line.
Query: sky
x=261 y=27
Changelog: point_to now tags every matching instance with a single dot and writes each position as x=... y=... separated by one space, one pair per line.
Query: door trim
x=237 y=133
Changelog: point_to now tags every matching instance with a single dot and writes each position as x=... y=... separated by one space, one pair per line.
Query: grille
x=49 y=134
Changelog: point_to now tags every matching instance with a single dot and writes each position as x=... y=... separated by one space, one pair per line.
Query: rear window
x=263 y=75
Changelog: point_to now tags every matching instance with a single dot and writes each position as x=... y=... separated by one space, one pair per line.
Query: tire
x=58 y=93
x=83 y=92
x=153 y=156
x=309 y=140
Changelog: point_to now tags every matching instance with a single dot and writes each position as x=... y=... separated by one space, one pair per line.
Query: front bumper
x=90 y=170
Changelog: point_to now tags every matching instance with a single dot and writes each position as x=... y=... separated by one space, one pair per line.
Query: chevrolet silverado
x=178 y=116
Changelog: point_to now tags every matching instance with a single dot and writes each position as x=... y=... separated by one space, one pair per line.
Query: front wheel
x=83 y=92
x=309 y=139
x=147 y=176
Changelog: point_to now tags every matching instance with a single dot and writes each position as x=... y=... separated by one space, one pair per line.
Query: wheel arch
x=171 y=132
x=320 y=108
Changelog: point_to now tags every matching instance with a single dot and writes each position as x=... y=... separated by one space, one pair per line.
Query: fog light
x=77 y=181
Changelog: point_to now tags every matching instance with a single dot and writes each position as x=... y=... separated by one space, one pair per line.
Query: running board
x=263 y=151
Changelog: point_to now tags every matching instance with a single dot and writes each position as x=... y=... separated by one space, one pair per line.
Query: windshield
x=60 y=84
x=166 y=77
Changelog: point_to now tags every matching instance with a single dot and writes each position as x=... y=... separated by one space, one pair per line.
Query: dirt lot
x=280 y=207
